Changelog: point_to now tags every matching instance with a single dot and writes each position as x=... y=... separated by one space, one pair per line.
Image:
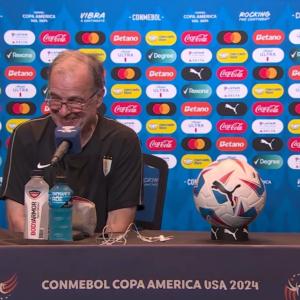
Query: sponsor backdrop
x=197 y=81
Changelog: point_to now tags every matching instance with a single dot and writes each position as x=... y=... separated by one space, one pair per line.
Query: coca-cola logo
x=161 y=144
x=272 y=108
x=161 y=73
x=232 y=73
x=196 y=109
x=125 y=38
x=232 y=126
x=197 y=37
x=294 y=144
x=126 y=108
x=233 y=144
x=55 y=37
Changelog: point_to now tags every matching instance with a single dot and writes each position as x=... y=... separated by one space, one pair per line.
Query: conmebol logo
x=126 y=108
x=268 y=109
x=161 y=144
x=125 y=38
x=268 y=37
x=20 y=73
x=196 y=37
x=232 y=126
x=294 y=144
x=55 y=37
x=232 y=73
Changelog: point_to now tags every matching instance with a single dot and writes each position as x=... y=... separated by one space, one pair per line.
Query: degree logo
x=21 y=108
x=232 y=37
x=13 y=123
x=198 y=109
x=125 y=56
x=156 y=126
x=231 y=144
x=99 y=53
x=272 y=90
x=294 y=72
x=232 y=73
x=126 y=73
x=196 y=56
x=196 y=91
x=161 y=144
x=196 y=37
x=159 y=91
x=161 y=108
x=268 y=55
x=295 y=55
x=268 y=161
x=162 y=56
x=231 y=108
x=195 y=161
x=90 y=37
x=267 y=144
x=268 y=73
x=126 y=108
x=268 y=109
x=20 y=73
x=20 y=55
x=161 y=38
x=232 y=55
x=196 y=144
x=125 y=91
x=195 y=73
x=125 y=38
x=294 y=126
x=268 y=37
x=294 y=108
x=161 y=73
x=294 y=90
x=55 y=37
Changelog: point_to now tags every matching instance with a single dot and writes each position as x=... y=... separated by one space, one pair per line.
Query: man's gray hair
x=95 y=66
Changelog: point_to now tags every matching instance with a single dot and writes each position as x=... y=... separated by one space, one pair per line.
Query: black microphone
x=67 y=140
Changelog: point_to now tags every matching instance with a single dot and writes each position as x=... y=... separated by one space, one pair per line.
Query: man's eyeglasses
x=74 y=104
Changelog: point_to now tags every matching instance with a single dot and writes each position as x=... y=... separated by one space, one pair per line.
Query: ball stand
x=234 y=234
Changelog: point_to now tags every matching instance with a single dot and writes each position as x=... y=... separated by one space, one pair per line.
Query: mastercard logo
x=128 y=73
x=196 y=144
x=268 y=73
x=20 y=108
x=232 y=37
x=90 y=37
x=294 y=108
x=161 y=108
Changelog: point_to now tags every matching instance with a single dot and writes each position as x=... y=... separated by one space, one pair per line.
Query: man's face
x=70 y=83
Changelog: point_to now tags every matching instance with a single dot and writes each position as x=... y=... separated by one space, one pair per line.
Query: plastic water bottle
x=60 y=211
x=36 y=207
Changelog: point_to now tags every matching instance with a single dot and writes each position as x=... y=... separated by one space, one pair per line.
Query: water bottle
x=60 y=211
x=36 y=207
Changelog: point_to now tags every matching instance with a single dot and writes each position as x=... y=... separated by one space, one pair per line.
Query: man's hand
x=118 y=220
x=15 y=216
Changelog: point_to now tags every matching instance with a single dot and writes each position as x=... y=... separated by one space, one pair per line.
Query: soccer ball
x=229 y=193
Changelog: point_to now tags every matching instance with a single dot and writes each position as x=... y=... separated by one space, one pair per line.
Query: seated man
x=107 y=171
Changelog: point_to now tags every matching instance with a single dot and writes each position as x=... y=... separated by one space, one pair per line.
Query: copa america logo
x=8 y=286
x=292 y=288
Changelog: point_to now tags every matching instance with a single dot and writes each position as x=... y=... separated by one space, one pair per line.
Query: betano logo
x=231 y=144
x=90 y=37
x=294 y=126
x=236 y=37
x=232 y=91
x=196 y=91
x=47 y=55
x=268 y=72
x=161 y=38
x=55 y=37
x=196 y=55
x=161 y=144
x=125 y=56
x=126 y=108
x=161 y=73
x=161 y=108
x=126 y=73
x=294 y=90
x=21 y=108
x=198 y=143
x=294 y=108
x=125 y=38
x=19 y=37
x=199 y=109
x=20 y=73
x=20 y=55
x=26 y=90
x=294 y=72
x=235 y=126
x=126 y=91
x=99 y=53
x=196 y=37
x=268 y=161
x=232 y=73
x=232 y=55
x=268 y=55
x=161 y=126
x=267 y=109
x=163 y=56
x=196 y=126
x=267 y=126
x=273 y=90
x=158 y=91
x=268 y=37
x=134 y=124
x=195 y=161
x=11 y=124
